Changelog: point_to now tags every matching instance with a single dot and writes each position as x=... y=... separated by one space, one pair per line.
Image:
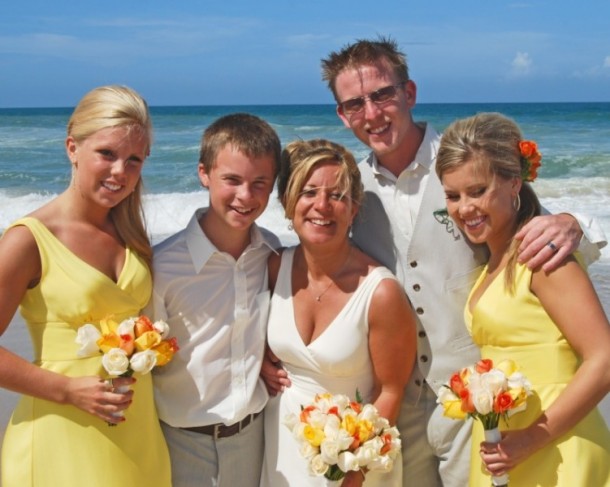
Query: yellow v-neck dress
x=518 y=328
x=48 y=444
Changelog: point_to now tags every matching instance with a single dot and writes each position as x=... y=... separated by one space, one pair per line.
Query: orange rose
x=456 y=383
x=304 y=416
x=467 y=404
x=387 y=443
x=531 y=158
x=484 y=365
x=503 y=402
x=142 y=325
x=528 y=148
x=356 y=407
x=127 y=344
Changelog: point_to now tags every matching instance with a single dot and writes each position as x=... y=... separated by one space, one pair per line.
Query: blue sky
x=190 y=52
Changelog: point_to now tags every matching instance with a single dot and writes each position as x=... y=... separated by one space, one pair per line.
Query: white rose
x=329 y=449
x=298 y=431
x=332 y=426
x=143 y=362
x=126 y=327
x=341 y=401
x=494 y=381
x=382 y=463
x=482 y=400
x=446 y=394
x=87 y=336
x=317 y=466
x=308 y=451
x=347 y=461
x=344 y=439
x=162 y=328
x=115 y=361
x=518 y=380
x=381 y=423
x=366 y=453
x=369 y=413
x=317 y=419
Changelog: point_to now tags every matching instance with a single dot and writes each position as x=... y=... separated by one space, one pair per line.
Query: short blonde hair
x=299 y=159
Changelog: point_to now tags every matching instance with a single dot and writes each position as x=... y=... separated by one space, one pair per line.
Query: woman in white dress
x=339 y=322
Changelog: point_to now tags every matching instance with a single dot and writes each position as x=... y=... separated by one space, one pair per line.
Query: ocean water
x=574 y=139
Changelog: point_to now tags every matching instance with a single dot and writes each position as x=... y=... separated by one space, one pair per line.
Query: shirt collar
x=426 y=154
x=200 y=247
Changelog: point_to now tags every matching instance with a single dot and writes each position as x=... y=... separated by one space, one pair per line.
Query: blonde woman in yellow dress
x=550 y=323
x=78 y=259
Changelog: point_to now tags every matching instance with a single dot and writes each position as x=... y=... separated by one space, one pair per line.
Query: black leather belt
x=221 y=430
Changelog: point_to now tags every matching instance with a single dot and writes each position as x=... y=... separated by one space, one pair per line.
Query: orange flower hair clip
x=530 y=160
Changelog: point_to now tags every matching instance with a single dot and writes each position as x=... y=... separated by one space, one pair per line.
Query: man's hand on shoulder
x=547 y=240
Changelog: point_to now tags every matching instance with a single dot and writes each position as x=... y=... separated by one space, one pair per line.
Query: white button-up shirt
x=217 y=309
x=402 y=196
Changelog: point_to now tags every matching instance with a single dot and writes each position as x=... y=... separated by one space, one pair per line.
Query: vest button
x=421 y=334
x=420 y=311
x=423 y=358
x=413 y=263
x=416 y=287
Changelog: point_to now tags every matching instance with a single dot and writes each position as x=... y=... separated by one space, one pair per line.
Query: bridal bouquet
x=487 y=393
x=337 y=435
x=133 y=345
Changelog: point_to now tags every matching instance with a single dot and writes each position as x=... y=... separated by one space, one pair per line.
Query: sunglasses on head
x=378 y=97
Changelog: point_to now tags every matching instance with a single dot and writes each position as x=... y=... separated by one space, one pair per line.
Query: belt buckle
x=217 y=430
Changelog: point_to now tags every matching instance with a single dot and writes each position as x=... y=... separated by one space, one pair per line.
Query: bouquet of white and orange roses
x=133 y=345
x=487 y=393
x=337 y=435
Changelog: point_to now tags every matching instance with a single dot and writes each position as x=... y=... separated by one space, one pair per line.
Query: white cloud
x=594 y=71
x=521 y=64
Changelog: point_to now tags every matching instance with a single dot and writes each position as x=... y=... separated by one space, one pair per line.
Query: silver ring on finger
x=552 y=246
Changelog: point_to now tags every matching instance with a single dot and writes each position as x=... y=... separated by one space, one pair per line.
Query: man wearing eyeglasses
x=402 y=223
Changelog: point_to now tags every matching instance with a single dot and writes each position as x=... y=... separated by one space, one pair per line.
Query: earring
x=290 y=227
x=517 y=203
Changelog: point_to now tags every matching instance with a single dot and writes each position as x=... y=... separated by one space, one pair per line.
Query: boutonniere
x=442 y=216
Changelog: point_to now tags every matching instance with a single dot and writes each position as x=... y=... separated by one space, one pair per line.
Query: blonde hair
x=491 y=142
x=299 y=159
x=118 y=106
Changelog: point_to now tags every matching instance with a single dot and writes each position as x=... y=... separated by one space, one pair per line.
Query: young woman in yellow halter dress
x=80 y=258
x=550 y=323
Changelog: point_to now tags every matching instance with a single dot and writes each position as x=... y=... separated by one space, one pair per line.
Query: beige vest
x=437 y=267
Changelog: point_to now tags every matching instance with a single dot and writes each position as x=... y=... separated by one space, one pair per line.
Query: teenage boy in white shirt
x=210 y=285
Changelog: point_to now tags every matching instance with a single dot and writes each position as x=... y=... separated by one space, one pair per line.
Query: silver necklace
x=318 y=297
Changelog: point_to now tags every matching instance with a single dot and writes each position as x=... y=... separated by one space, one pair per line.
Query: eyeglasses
x=379 y=97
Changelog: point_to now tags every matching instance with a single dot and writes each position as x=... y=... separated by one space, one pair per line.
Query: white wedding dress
x=337 y=361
